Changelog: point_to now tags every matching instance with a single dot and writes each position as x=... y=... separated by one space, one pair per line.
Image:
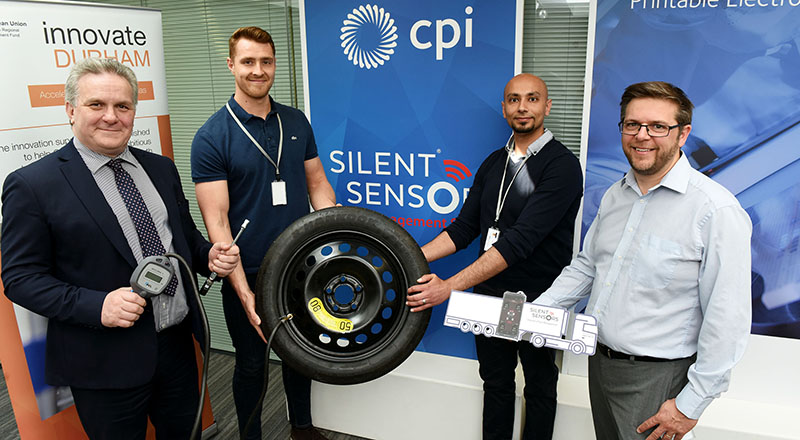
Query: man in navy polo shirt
x=256 y=159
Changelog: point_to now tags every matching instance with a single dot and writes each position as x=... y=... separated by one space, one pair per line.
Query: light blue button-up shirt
x=669 y=275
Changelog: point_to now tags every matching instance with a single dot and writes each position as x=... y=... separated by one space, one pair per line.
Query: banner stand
x=53 y=36
x=405 y=101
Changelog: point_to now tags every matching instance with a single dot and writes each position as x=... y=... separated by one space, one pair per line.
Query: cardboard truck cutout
x=512 y=318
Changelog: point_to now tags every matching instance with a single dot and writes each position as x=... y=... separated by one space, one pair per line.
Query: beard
x=523 y=129
x=663 y=157
x=254 y=91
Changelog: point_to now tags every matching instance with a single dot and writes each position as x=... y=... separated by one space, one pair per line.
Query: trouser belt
x=613 y=354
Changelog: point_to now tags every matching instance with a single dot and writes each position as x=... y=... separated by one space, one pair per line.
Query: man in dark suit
x=75 y=225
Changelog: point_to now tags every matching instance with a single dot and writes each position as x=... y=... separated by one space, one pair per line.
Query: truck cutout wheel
x=343 y=274
x=577 y=347
x=477 y=329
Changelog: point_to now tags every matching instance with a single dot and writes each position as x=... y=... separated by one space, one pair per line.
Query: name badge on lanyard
x=278 y=186
x=278 y=192
x=493 y=233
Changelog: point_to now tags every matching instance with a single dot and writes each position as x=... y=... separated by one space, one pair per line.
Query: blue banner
x=404 y=98
x=739 y=62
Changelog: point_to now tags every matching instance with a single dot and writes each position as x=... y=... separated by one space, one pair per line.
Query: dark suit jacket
x=63 y=250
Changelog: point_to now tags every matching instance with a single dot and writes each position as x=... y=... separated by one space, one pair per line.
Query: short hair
x=249 y=33
x=659 y=90
x=97 y=66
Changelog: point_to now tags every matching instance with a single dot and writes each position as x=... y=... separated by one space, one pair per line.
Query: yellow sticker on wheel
x=325 y=319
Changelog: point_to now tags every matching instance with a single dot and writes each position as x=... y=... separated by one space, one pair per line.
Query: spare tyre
x=342 y=273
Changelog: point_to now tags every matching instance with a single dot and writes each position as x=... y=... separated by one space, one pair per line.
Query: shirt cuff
x=692 y=404
x=544 y=300
x=454 y=231
x=504 y=248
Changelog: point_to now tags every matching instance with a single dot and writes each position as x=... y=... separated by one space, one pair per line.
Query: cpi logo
x=368 y=36
x=454 y=31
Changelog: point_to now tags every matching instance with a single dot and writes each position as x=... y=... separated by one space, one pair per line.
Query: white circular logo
x=368 y=36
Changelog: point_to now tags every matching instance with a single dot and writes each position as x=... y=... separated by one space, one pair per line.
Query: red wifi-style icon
x=456 y=170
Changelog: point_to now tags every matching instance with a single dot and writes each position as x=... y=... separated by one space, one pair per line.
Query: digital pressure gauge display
x=152 y=276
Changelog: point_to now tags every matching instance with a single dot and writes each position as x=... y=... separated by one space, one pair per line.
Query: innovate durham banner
x=739 y=62
x=404 y=98
x=40 y=42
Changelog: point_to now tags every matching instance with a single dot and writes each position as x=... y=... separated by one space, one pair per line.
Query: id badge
x=278 y=192
x=492 y=235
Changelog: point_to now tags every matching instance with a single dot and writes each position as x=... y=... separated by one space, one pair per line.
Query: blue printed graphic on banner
x=739 y=63
x=404 y=99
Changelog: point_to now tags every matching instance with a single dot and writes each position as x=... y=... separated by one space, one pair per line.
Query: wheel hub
x=343 y=294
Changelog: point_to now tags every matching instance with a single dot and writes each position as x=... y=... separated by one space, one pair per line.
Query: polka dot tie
x=142 y=220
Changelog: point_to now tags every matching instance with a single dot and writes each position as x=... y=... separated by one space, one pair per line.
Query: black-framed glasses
x=653 y=130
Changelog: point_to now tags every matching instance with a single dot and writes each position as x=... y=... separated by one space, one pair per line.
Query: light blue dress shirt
x=669 y=275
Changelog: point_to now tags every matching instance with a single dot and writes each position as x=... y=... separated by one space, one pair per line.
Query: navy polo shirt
x=221 y=151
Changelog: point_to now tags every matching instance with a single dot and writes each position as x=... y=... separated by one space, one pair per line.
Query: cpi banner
x=738 y=60
x=46 y=39
x=404 y=98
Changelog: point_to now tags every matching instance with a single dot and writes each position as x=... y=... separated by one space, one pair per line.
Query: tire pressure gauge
x=152 y=276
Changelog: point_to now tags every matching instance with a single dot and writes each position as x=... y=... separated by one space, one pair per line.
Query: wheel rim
x=346 y=291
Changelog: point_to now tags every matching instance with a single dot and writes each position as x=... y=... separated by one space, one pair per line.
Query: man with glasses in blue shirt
x=666 y=266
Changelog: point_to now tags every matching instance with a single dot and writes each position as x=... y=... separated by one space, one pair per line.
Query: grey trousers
x=625 y=393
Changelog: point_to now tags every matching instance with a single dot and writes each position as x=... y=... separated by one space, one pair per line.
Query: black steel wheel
x=343 y=274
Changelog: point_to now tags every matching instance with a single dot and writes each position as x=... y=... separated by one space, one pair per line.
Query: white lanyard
x=280 y=141
x=501 y=198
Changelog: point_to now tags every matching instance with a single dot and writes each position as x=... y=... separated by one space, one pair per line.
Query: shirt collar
x=244 y=116
x=95 y=161
x=534 y=147
x=676 y=179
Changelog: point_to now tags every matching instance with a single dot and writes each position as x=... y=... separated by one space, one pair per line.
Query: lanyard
x=501 y=198
x=280 y=141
